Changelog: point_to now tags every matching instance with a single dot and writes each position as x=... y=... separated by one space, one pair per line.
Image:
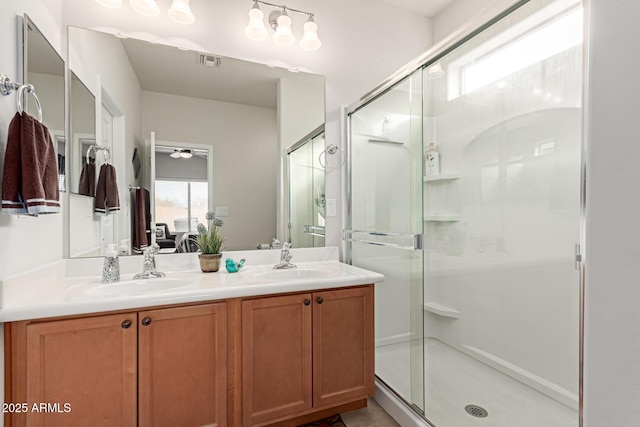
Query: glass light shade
x=310 y=40
x=435 y=71
x=113 y=4
x=283 y=35
x=186 y=154
x=145 y=7
x=180 y=12
x=256 y=30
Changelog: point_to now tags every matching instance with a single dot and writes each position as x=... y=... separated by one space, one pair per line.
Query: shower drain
x=476 y=411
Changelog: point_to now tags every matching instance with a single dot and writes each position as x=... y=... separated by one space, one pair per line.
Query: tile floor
x=371 y=416
x=454 y=380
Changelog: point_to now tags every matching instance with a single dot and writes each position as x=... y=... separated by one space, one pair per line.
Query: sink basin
x=291 y=274
x=128 y=287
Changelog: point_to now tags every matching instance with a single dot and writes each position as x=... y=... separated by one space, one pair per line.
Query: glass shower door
x=386 y=229
x=306 y=199
x=502 y=218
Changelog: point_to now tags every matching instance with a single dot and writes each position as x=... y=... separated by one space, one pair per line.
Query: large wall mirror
x=187 y=133
x=44 y=69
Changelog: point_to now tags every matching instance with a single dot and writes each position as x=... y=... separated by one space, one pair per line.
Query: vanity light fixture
x=179 y=11
x=256 y=30
x=280 y=21
x=283 y=36
x=310 y=40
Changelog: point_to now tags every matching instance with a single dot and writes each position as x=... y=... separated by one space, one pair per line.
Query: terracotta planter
x=209 y=263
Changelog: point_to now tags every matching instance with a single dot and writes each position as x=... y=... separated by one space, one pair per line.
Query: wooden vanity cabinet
x=163 y=367
x=88 y=363
x=182 y=366
x=305 y=353
x=274 y=360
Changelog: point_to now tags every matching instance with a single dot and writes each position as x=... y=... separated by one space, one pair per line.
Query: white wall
x=245 y=157
x=459 y=12
x=27 y=242
x=612 y=371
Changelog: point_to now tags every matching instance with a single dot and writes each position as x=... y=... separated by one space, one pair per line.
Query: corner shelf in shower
x=442 y=177
x=442 y=218
x=441 y=310
x=385 y=141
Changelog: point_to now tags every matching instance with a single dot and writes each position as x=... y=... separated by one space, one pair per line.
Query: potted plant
x=210 y=242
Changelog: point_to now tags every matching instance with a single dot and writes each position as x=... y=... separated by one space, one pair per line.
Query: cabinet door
x=343 y=368
x=183 y=366
x=276 y=357
x=89 y=364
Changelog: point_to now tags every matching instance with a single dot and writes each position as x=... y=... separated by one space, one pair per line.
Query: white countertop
x=51 y=293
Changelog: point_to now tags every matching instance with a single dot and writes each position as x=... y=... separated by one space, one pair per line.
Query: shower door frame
x=489 y=16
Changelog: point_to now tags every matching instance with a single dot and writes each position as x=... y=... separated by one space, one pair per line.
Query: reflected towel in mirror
x=141 y=220
x=107 y=199
x=87 y=186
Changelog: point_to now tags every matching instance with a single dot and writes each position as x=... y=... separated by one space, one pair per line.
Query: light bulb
x=145 y=7
x=256 y=30
x=180 y=12
x=113 y=4
x=310 y=40
x=283 y=35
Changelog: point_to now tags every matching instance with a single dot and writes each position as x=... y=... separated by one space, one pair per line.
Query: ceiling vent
x=209 y=60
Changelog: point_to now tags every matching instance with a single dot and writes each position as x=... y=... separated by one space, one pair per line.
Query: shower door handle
x=411 y=242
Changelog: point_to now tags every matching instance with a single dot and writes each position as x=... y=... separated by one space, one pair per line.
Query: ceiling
x=428 y=8
x=167 y=69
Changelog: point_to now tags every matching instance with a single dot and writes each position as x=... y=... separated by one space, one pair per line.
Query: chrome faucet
x=285 y=257
x=149 y=264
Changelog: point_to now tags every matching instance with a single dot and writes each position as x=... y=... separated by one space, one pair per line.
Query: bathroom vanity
x=255 y=348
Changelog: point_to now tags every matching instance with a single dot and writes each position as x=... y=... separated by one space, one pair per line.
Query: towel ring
x=23 y=102
x=91 y=147
x=331 y=149
x=96 y=148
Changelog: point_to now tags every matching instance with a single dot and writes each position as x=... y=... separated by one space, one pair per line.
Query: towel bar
x=7 y=86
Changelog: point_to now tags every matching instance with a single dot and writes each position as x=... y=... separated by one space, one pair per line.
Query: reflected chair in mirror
x=188 y=242
x=164 y=238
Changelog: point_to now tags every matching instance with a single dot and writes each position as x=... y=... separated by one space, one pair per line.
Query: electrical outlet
x=331 y=207
x=222 y=211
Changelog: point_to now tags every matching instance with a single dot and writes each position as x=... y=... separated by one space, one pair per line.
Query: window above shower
x=552 y=29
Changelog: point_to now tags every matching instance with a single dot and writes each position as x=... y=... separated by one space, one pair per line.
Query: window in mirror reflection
x=180 y=207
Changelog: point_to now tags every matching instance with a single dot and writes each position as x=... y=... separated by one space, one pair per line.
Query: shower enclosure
x=305 y=191
x=479 y=315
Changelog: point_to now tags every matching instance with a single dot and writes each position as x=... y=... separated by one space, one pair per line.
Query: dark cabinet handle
x=319 y=300
x=146 y=321
x=307 y=301
x=126 y=324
